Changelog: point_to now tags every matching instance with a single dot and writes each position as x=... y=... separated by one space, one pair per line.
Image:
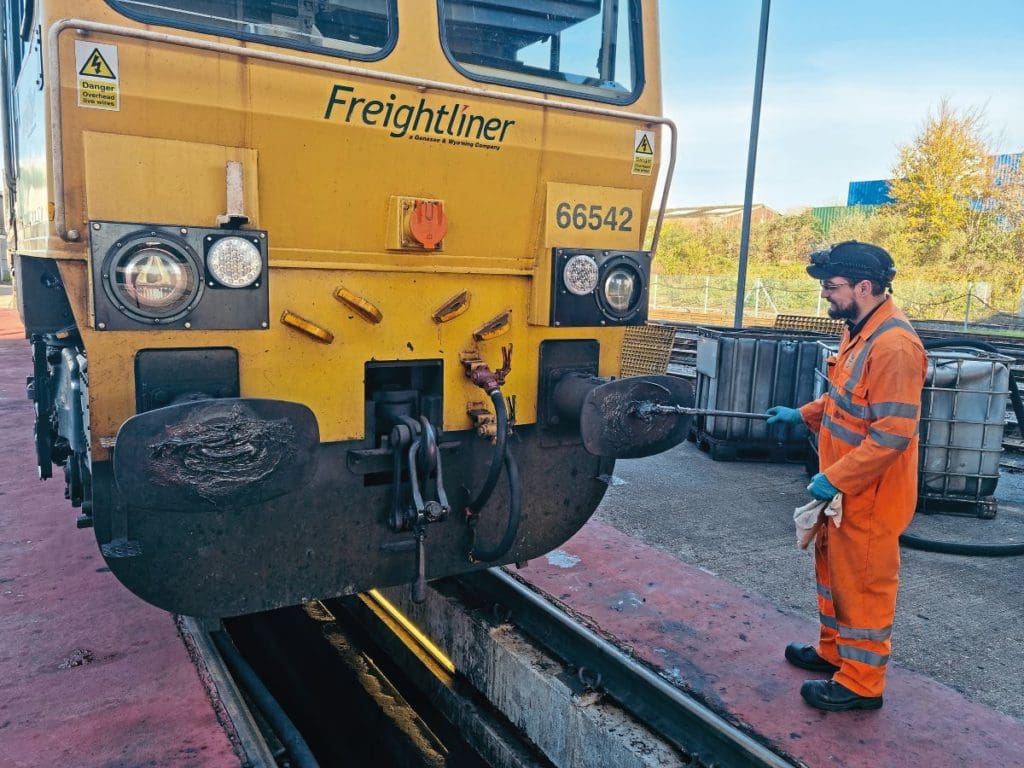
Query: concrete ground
x=89 y=674
x=959 y=620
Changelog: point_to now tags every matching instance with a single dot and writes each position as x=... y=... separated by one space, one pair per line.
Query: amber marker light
x=415 y=632
x=363 y=308
x=452 y=308
x=494 y=327
x=311 y=329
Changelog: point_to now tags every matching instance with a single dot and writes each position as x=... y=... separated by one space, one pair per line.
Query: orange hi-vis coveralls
x=867 y=446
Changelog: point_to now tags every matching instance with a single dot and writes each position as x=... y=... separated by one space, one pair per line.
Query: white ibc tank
x=963 y=409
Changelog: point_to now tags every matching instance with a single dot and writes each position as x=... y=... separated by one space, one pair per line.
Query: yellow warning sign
x=99 y=83
x=97 y=94
x=96 y=66
x=643 y=153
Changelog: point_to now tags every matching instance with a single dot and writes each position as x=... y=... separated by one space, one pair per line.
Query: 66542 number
x=595 y=217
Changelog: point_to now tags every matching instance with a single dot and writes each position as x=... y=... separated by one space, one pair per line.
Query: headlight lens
x=154 y=280
x=620 y=288
x=234 y=262
x=580 y=275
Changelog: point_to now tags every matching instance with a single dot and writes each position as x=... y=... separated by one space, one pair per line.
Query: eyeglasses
x=831 y=287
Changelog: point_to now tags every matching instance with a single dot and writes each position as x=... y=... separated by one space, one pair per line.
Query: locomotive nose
x=613 y=421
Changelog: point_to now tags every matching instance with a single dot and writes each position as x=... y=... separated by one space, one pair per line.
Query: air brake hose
x=498 y=456
x=515 y=506
x=501 y=456
x=957 y=548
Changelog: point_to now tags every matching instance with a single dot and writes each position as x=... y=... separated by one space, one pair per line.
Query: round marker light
x=154 y=280
x=234 y=262
x=620 y=288
x=580 y=275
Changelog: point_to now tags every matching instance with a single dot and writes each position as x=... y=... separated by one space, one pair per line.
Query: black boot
x=831 y=696
x=806 y=657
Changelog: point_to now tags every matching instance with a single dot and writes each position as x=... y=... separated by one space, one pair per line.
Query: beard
x=842 y=313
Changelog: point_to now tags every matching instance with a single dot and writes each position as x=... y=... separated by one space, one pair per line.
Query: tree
x=962 y=206
x=940 y=173
x=951 y=189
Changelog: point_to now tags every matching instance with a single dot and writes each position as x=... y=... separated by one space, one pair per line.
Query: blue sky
x=846 y=83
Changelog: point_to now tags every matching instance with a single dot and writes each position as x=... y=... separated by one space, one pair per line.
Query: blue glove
x=821 y=488
x=780 y=414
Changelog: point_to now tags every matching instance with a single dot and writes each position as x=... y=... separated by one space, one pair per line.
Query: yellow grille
x=646 y=349
x=805 y=323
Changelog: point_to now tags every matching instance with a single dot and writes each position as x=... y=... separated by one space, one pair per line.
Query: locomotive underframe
x=331 y=536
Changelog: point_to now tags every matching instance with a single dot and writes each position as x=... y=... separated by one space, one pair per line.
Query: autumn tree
x=962 y=208
x=940 y=173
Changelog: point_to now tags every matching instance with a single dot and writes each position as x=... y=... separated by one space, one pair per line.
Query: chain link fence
x=715 y=295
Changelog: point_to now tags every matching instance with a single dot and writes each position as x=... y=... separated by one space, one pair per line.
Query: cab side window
x=15 y=46
x=586 y=48
x=359 y=29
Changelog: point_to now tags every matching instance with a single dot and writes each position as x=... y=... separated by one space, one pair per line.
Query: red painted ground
x=725 y=646
x=89 y=674
x=10 y=325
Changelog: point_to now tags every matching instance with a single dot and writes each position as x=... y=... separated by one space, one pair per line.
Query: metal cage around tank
x=963 y=411
x=750 y=370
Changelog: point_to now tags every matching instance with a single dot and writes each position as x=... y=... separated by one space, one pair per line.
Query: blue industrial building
x=877 y=192
x=869 y=193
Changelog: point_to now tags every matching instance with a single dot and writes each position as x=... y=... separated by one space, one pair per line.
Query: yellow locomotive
x=326 y=295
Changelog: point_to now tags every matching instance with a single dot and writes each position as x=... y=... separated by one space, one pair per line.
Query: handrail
x=56 y=138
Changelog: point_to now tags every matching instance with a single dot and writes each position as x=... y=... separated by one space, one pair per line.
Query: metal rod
x=748 y=196
x=682 y=410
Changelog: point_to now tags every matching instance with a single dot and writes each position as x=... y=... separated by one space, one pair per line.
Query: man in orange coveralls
x=867 y=446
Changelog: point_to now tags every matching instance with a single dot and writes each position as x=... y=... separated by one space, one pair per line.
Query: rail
x=697 y=730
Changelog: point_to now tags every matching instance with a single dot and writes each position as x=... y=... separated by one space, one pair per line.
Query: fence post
x=757 y=297
x=967 y=310
x=768 y=298
x=654 y=291
x=707 y=289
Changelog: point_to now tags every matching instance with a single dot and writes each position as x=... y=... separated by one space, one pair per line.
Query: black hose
x=958 y=548
x=246 y=676
x=497 y=457
x=515 y=505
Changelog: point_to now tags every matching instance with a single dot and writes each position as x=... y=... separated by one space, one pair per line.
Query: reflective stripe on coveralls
x=867 y=425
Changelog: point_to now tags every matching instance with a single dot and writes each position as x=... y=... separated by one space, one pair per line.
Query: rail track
x=363 y=686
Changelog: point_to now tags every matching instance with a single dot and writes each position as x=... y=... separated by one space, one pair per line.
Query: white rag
x=812 y=515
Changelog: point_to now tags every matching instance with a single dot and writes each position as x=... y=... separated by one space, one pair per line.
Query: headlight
x=591 y=287
x=234 y=262
x=580 y=275
x=621 y=289
x=154 y=280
